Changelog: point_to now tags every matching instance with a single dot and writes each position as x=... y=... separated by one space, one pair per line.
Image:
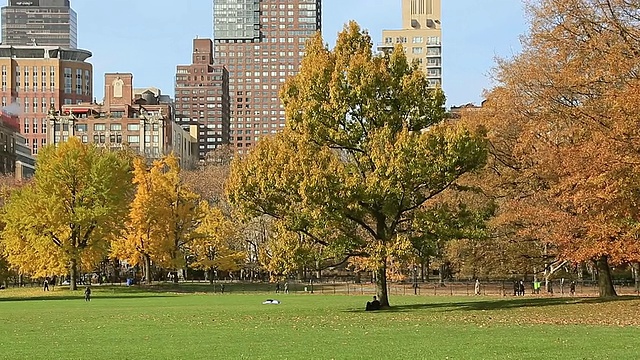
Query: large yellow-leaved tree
x=217 y=244
x=67 y=216
x=163 y=219
x=365 y=150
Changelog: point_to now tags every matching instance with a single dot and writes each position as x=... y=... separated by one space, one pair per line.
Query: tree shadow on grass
x=502 y=304
x=195 y=288
x=77 y=297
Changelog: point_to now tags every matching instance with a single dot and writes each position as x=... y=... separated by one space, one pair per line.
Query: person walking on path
x=477 y=288
x=45 y=285
x=286 y=288
x=87 y=294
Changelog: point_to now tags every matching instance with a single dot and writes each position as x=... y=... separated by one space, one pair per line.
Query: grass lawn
x=131 y=323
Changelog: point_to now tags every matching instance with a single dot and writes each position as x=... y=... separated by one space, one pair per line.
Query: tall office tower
x=420 y=36
x=39 y=22
x=36 y=78
x=202 y=98
x=261 y=42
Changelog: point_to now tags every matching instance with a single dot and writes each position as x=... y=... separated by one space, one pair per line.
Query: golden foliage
x=217 y=245
x=65 y=219
x=365 y=148
x=164 y=216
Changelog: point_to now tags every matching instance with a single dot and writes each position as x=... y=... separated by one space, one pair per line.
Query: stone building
x=143 y=122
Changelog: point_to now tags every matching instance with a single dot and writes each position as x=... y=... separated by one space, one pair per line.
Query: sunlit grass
x=132 y=323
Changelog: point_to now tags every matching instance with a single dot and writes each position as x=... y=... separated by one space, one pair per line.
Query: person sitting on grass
x=87 y=294
x=373 y=305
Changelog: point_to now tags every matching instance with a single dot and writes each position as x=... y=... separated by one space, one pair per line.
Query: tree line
x=371 y=174
x=87 y=203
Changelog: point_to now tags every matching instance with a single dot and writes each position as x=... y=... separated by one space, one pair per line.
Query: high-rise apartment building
x=39 y=22
x=202 y=97
x=261 y=42
x=36 y=78
x=421 y=36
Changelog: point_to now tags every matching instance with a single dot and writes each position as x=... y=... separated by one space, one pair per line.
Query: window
x=115 y=127
x=433 y=40
x=99 y=127
x=81 y=127
x=133 y=127
x=433 y=51
x=78 y=81
x=133 y=139
x=67 y=80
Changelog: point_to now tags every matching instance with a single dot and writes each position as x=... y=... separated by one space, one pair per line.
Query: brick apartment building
x=34 y=78
x=202 y=97
x=261 y=43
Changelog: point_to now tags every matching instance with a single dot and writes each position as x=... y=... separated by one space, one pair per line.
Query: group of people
x=87 y=290
x=285 y=290
x=519 y=288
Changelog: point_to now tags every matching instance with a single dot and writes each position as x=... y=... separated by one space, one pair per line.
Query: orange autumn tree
x=563 y=122
x=163 y=219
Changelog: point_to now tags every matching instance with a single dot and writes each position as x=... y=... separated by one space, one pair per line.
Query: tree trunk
x=636 y=275
x=147 y=269
x=381 y=286
x=73 y=274
x=318 y=271
x=605 y=284
x=210 y=271
x=441 y=273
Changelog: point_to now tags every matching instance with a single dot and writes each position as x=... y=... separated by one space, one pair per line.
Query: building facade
x=202 y=98
x=9 y=129
x=261 y=43
x=142 y=122
x=420 y=36
x=25 y=161
x=35 y=78
x=39 y=22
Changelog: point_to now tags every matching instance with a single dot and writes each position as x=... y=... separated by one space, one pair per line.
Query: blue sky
x=150 y=37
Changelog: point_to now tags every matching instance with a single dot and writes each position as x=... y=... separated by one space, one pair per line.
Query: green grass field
x=132 y=323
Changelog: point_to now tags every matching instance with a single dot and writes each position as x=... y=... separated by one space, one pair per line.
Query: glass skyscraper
x=39 y=22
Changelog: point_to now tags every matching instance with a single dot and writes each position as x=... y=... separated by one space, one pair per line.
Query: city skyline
x=155 y=40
